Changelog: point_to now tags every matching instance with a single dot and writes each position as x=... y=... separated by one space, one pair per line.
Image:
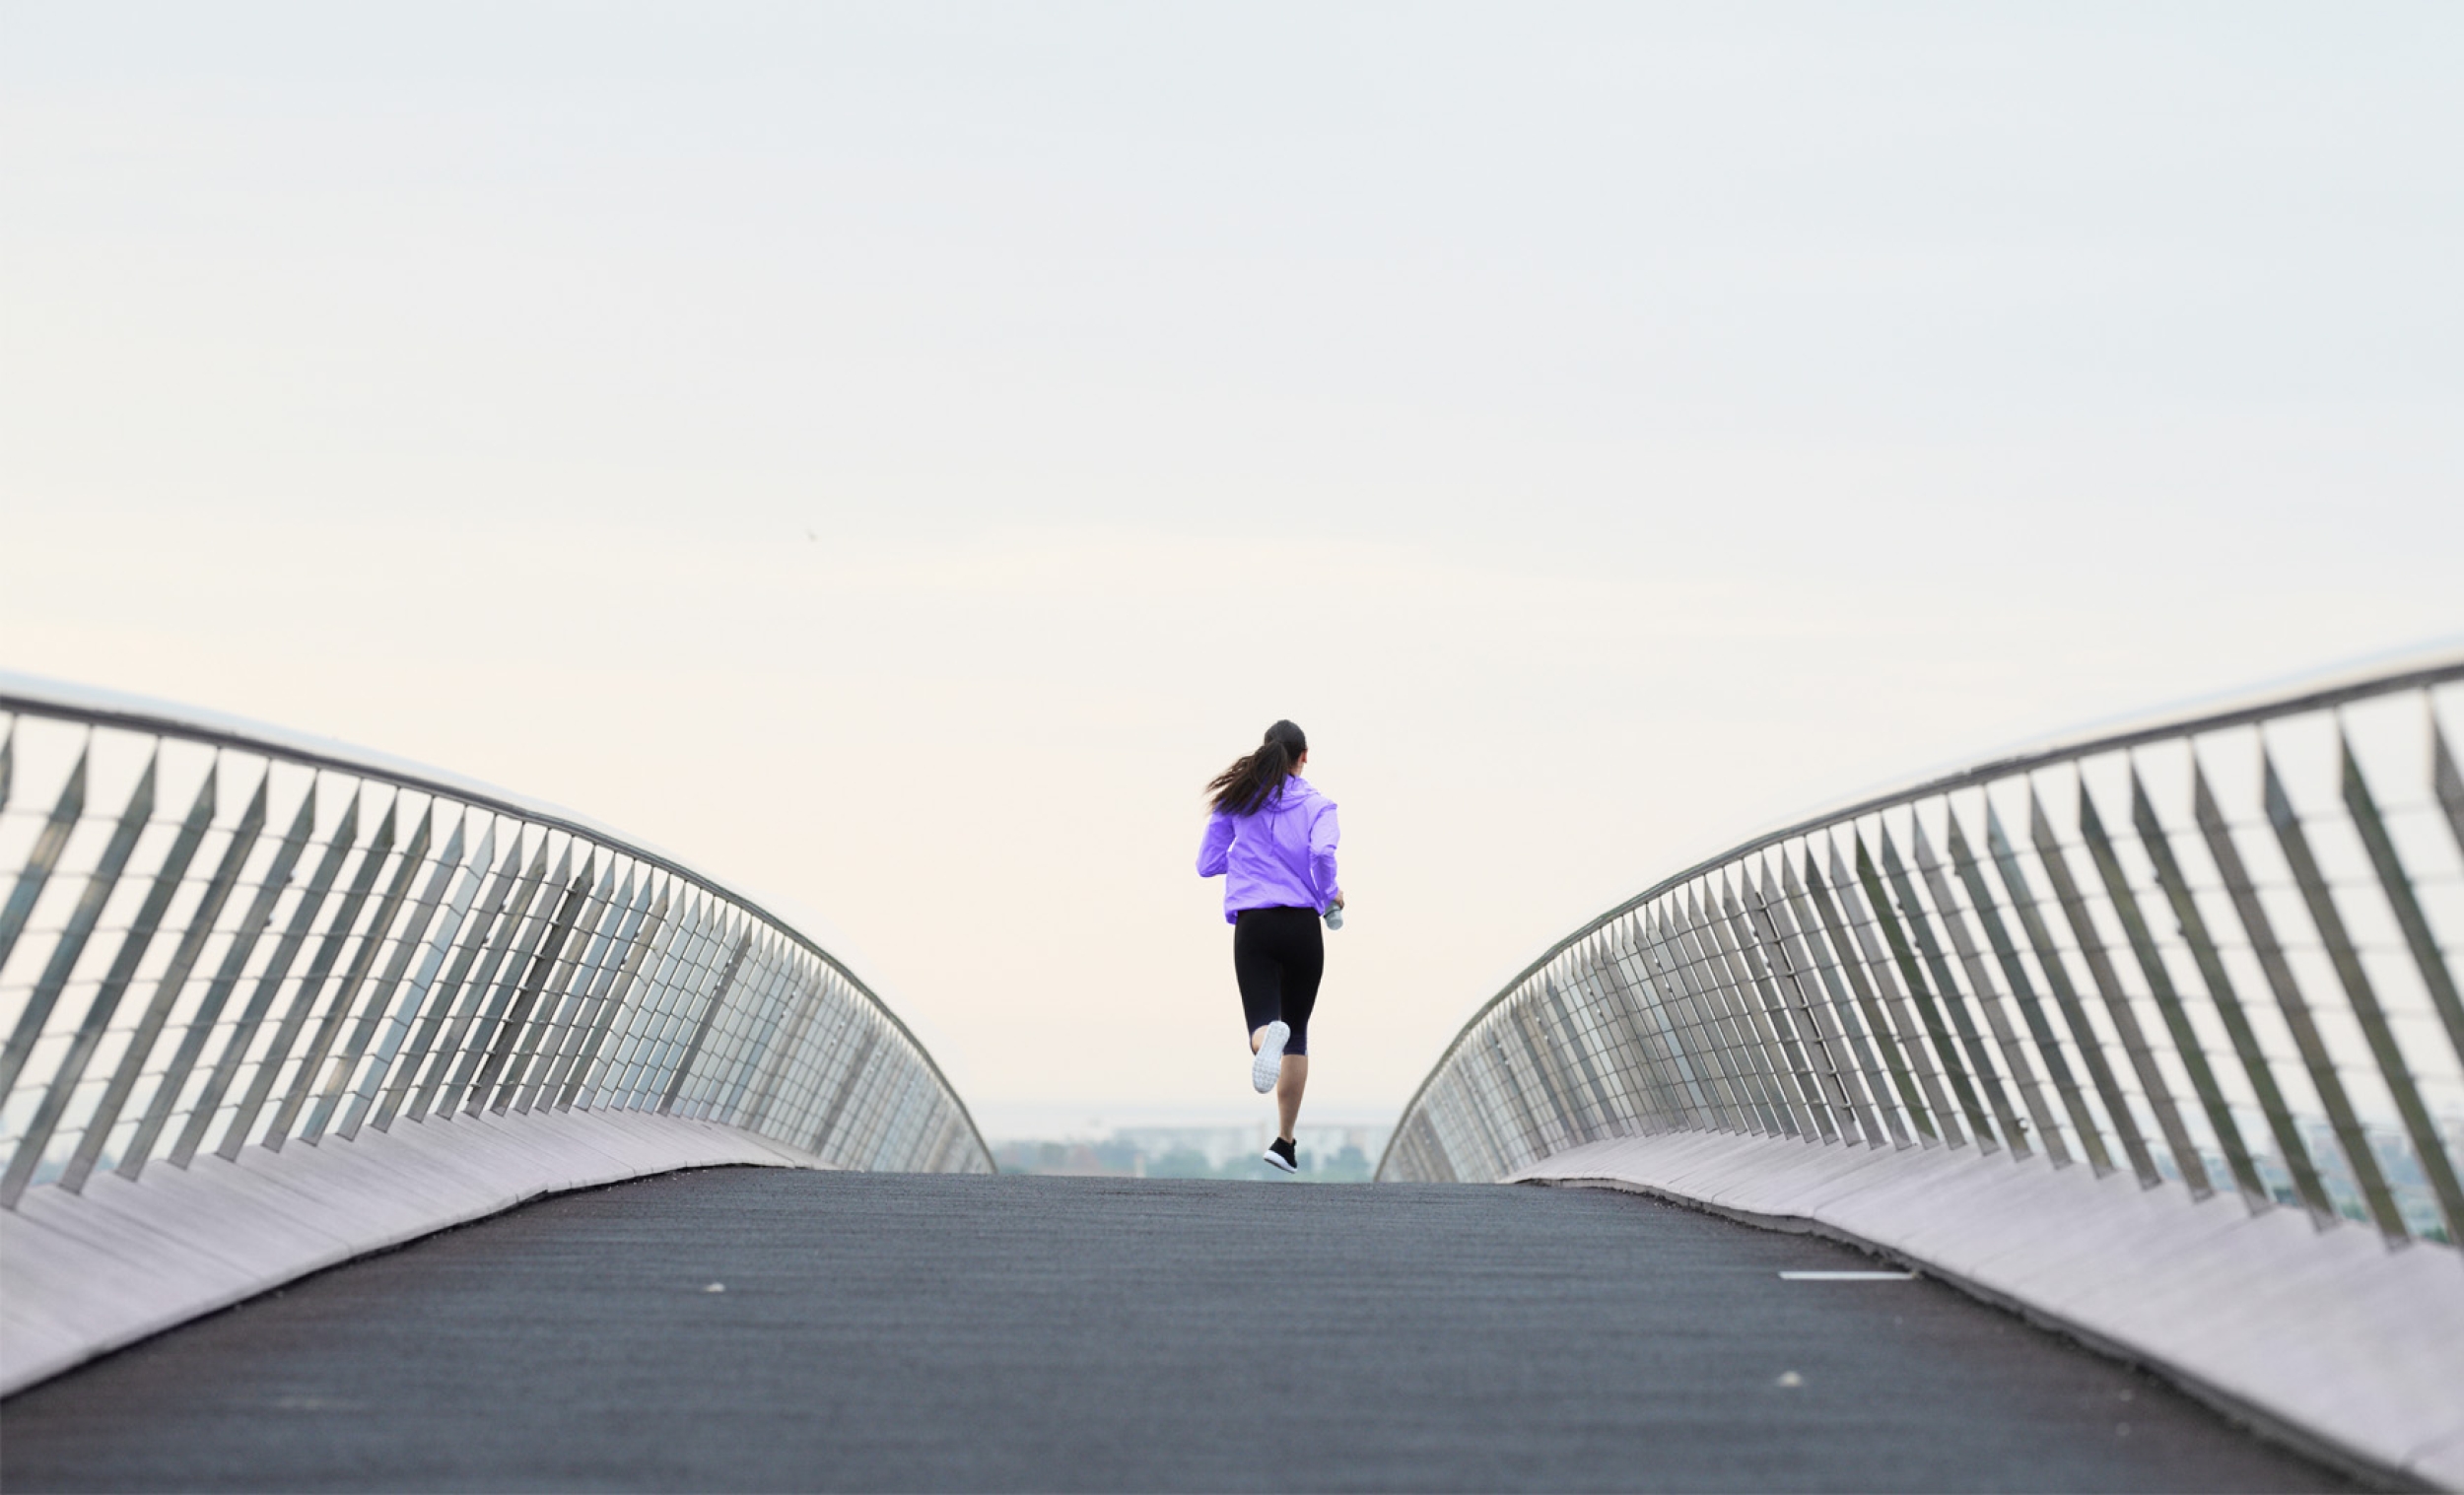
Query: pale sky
x=893 y=456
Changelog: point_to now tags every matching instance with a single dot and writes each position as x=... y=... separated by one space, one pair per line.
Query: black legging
x=1278 y=954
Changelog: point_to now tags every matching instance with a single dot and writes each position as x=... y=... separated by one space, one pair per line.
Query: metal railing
x=218 y=935
x=2220 y=951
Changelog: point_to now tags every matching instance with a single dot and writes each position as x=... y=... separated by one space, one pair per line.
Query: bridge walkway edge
x=85 y=1275
x=2320 y=1337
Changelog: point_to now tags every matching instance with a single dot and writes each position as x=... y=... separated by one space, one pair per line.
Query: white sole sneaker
x=1267 y=1065
x=1274 y=1160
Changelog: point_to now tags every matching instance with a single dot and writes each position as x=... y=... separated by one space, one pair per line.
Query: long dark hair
x=1257 y=777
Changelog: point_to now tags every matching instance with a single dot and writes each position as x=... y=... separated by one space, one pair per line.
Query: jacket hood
x=1296 y=790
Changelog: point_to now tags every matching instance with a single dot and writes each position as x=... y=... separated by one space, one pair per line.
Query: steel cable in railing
x=2220 y=951
x=218 y=936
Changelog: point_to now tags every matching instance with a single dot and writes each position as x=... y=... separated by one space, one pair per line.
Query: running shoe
x=1269 y=1061
x=1279 y=1156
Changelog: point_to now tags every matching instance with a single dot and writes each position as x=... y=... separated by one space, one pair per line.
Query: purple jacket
x=1280 y=854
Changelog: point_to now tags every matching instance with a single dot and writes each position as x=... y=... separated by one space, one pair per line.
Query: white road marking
x=1847 y=1276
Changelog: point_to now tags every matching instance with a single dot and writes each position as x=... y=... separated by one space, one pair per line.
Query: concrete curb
x=82 y=1275
x=2323 y=1337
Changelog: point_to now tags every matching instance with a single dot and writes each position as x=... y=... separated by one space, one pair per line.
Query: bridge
x=2089 y=1118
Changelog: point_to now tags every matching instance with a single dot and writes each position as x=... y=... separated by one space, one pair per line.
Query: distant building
x=1328 y=1154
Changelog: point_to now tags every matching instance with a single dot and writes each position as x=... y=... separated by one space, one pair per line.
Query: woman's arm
x=1323 y=833
x=1213 y=847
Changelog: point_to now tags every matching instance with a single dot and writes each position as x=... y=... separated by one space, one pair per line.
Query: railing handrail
x=125 y=712
x=2332 y=688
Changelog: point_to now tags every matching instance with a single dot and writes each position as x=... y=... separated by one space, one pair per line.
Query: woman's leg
x=1288 y=1089
x=1256 y=965
x=1304 y=964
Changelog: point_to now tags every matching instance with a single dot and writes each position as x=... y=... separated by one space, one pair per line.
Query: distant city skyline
x=1328 y=1152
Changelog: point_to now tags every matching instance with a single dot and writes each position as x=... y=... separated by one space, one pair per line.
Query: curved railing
x=2220 y=951
x=217 y=935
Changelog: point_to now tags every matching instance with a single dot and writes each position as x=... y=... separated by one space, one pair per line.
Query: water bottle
x=1334 y=915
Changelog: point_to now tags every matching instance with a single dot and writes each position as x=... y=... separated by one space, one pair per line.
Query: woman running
x=1272 y=838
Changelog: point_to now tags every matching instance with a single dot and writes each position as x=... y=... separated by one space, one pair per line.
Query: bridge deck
x=911 y=1332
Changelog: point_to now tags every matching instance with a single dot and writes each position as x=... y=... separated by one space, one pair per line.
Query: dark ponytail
x=1258 y=778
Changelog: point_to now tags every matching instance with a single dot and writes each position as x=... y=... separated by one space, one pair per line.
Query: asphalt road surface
x=903 y=1332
